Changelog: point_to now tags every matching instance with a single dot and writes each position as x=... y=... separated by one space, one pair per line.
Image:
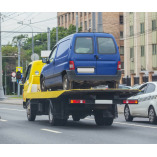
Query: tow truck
x=59 y=105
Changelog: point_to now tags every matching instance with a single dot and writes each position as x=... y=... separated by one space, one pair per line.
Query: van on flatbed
x=78 y=103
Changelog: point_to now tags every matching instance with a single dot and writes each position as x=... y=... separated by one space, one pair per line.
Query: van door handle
x=96 y=56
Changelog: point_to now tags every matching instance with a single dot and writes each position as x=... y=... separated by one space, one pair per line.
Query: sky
x=38 y=21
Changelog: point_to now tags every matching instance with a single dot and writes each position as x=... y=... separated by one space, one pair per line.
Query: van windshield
x=106 y=45
x=84 y=45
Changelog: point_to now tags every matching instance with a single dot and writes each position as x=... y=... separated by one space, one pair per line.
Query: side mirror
x=46 y=60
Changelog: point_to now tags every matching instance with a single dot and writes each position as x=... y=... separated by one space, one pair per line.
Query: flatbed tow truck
x=79 y=103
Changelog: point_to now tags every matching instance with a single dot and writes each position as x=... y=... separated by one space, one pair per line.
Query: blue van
x=82 y=60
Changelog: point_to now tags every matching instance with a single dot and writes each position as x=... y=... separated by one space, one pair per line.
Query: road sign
x=34 y=57
x=13 y=79
x=19 y=69
x=13 y=74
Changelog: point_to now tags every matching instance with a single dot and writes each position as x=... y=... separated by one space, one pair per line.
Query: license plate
x=85 y=70
x=103 y=102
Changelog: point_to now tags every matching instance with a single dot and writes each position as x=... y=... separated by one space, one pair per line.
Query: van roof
x=82 y=33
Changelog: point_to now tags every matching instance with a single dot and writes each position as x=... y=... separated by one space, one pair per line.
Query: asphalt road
x=15 y=129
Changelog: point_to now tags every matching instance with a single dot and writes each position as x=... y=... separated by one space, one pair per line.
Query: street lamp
x=21 y=22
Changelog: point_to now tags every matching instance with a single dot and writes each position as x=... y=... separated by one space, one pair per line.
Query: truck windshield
x=84 y=45
x=106 y=45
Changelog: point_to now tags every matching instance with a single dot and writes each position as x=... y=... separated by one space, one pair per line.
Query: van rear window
x=106 y=45
x=84 y=45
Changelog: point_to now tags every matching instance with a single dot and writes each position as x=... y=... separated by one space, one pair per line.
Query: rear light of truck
x=77 y=101
x=130 y=101
x=119 y=65
x=71 y=65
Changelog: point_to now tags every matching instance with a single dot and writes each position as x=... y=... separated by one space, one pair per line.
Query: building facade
x=112 y=23
x=140 y=45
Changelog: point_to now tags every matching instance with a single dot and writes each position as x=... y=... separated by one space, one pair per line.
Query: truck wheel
x=30 y=114
x=152 y=116
x=76 y=118
x=108 y=121
x=54 y=121
x=127 y=114
x=42 y=85
x=99 y=119
x=66 y=83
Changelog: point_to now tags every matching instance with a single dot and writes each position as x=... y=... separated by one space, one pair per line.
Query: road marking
x=144 y=126
x=12 y=109
x=57 y=132
x=2 y=120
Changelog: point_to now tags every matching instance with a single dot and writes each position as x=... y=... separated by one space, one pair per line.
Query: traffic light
x=18 y=75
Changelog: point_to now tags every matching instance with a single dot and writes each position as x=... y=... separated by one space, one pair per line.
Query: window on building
x=142 y=51
x=85 y=13
x=69 y=16
x=89 y=13
x=142 y=28
x=85 y=25
x=90 y=23
x=154 y=48
x=65 y=18
x=80 y=14
x=58 y=20
x=121 y=19
x=122 y=50
x=122 y=65
x=131 y=52
x=62 y=19
x=73 y=15
x=153 y=25
x=131 y=31
x=121 y=35
x=81 y=24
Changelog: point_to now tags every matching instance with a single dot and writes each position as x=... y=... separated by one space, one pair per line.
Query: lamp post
x=21 y=22
x=1 y=86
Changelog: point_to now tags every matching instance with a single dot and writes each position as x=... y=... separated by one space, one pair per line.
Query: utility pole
x=93 y=22
x=19 y=47
x=48 y=38
x=99 y=24
x=1 y=86
x=5 y=82
x=76 y=22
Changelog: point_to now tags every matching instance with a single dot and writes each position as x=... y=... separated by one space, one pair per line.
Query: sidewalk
x=17 y=101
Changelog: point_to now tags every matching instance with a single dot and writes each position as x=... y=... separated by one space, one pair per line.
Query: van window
x=63 y=48
x=84 y=45
x=53 y=54
x=106 y=45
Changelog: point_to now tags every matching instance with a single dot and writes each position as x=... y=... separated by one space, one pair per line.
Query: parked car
x=82 y=60
x=147 y=103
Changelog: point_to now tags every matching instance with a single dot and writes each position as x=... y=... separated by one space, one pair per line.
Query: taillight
x=130 y=101
x=77 y=101
x=119 y=65
x=71 y=65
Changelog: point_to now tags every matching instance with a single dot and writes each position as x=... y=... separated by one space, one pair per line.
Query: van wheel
x=66 y=83
x=42 y=85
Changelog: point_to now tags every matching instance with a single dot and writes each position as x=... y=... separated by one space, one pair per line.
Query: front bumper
x=77 y=78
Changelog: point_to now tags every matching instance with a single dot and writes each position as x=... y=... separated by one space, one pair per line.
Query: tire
x=30 y=114
x=113 y=85
x=108 y=121
x=42 y=85
x=152 y=116
x=67 y=85
x=127 y=114
x=54 y=121
x=99 y=119
x=76 y=118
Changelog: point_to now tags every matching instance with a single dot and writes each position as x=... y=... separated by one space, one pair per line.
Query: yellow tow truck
x=79 y=103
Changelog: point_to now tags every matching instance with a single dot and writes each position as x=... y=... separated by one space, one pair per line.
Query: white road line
x=12 y=109
x=2 y=120
x=53 y=131
x=144 y=126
